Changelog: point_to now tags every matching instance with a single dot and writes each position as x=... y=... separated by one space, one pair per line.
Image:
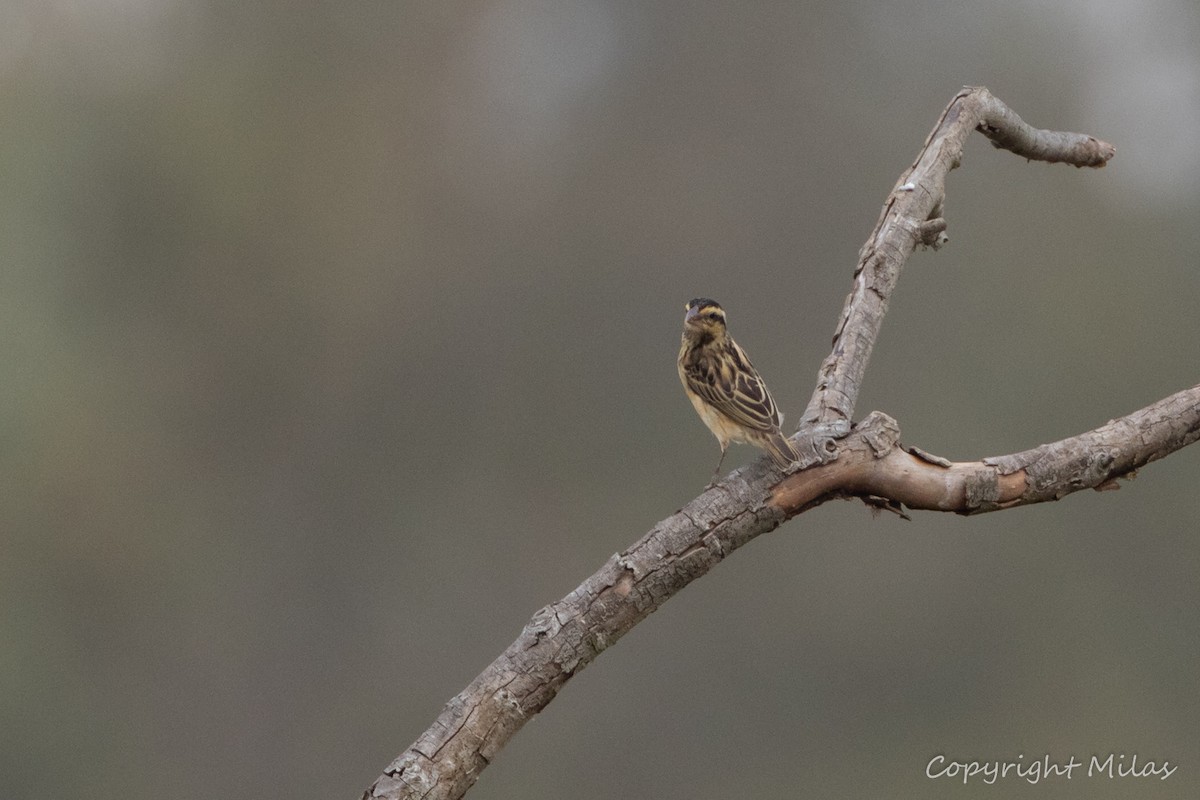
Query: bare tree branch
x=912 y=215
x=872 y=464
x=567 y=635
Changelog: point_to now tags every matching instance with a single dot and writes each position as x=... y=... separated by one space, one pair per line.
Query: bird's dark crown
x=703 y=304
x=704 y=313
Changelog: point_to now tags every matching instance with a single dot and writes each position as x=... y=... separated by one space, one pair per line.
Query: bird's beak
x=691 y=313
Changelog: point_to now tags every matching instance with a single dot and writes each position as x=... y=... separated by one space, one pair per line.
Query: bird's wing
x=732 y=385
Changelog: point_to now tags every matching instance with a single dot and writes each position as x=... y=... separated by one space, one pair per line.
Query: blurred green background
x=340 y=338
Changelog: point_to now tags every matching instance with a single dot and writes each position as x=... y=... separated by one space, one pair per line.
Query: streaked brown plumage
x=725 y=388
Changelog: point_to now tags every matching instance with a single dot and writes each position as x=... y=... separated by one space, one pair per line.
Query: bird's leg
x=717 y=471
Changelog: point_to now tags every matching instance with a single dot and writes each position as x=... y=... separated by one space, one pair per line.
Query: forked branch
x=567 y=635
x=911 y=216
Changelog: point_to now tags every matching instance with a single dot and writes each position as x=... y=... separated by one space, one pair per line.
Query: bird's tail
x=780 y=450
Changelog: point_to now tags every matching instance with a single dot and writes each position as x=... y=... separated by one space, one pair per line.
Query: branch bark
x=912 y=215
x=566 y=636
x=873 y=464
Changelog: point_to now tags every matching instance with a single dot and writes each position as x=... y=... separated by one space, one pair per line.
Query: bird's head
x=704 y=318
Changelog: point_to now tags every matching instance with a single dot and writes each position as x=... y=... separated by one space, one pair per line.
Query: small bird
x=725 y=388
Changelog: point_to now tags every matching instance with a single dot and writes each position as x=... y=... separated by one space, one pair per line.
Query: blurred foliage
x=340 y=338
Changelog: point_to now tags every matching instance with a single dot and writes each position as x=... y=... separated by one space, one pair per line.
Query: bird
x=725 y=388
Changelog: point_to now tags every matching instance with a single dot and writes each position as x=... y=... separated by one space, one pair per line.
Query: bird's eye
x=714 y=316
